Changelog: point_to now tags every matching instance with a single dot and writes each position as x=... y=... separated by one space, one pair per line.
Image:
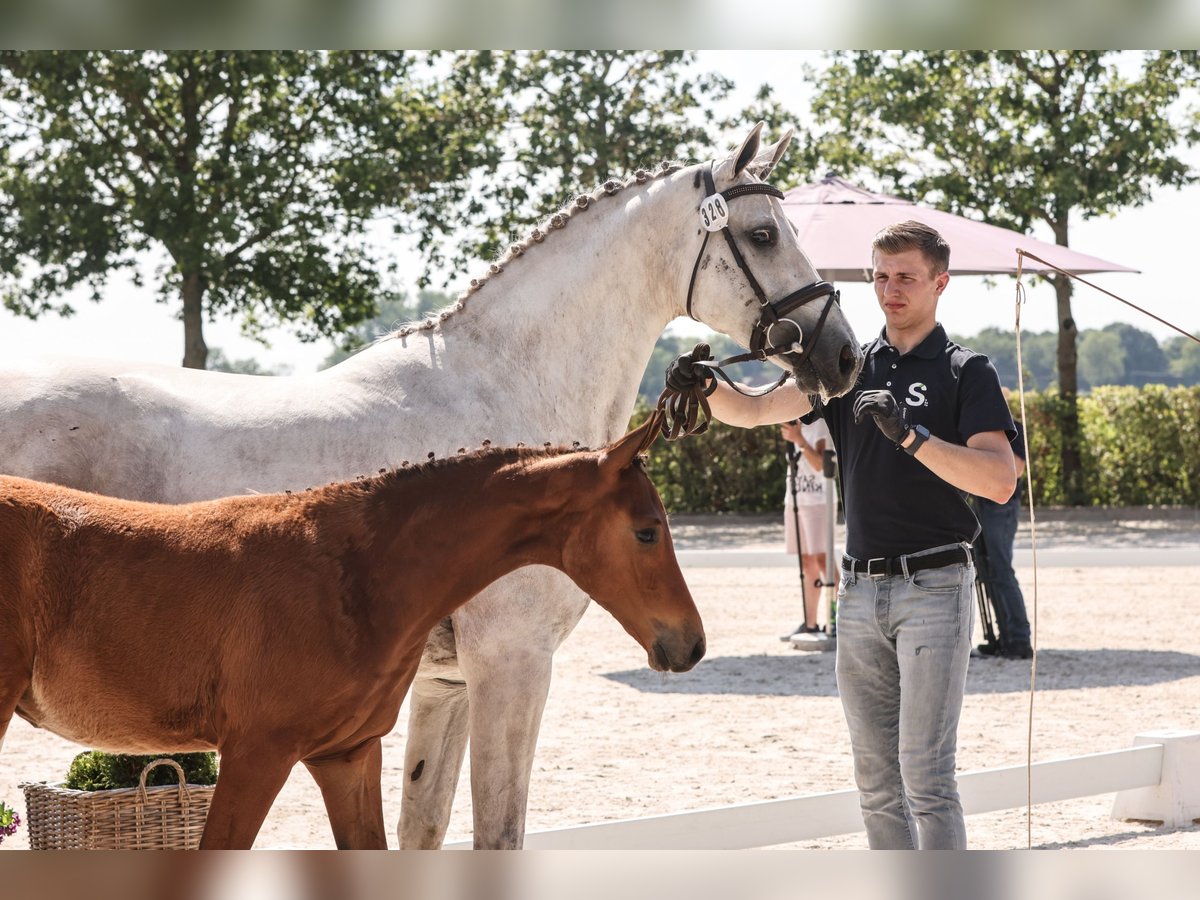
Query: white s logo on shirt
x=916 y=394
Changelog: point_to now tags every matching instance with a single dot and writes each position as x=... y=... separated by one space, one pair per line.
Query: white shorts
x=814 y=531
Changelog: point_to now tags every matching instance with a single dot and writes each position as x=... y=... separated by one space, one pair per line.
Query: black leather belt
x=886 y=566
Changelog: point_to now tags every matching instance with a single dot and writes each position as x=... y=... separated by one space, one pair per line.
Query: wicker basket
x=140 y=818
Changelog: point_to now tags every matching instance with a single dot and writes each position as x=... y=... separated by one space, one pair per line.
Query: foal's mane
x=519 y=456
x=538 y=235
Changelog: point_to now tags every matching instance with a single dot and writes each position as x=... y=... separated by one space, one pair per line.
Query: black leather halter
x=713 y=211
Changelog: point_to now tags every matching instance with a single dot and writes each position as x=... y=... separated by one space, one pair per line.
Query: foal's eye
x=647 y=535
x=763 y=236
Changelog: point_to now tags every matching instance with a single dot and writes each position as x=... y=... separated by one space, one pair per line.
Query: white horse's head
x=752 y=280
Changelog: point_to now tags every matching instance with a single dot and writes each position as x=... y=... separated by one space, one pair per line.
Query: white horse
x=551 y=350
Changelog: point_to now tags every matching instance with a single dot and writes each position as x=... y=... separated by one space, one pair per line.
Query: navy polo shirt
x=894 y=505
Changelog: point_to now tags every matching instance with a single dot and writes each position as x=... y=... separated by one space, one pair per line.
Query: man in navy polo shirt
x=924 y=424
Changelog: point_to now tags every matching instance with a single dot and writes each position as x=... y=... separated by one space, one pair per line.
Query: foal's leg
x=12 y=687
x=353 y=796
x=249 y=780
x=15 y=676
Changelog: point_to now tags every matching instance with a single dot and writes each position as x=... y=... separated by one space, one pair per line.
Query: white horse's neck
x=578 y=313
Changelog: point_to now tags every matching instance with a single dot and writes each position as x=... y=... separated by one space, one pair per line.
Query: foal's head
x=618 y=549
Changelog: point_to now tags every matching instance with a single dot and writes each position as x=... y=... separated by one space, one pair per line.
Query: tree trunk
x=1068 y=382
x=195 y=351
x=1068 y=385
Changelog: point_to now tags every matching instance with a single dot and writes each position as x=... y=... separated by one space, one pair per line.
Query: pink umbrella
x=837 y=220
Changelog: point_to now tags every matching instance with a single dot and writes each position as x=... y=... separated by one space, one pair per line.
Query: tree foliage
x=573 y=120
x=254 y=174
x=1117 y=354
x=1015 y=138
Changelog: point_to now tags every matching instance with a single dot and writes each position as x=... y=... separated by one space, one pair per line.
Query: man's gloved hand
x=890 y=416
x=683 y=374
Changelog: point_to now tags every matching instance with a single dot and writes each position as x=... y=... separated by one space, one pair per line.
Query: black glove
x=890 y=416
x=683 y=374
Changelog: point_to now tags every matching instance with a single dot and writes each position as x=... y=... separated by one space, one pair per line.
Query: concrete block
x=1175 y=801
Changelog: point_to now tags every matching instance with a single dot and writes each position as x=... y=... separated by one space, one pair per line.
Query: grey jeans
x=903 y=643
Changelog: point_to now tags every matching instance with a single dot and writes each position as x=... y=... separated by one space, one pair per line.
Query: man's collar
x=930 y=348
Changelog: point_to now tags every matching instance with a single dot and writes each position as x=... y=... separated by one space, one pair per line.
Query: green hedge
x=1141 y=447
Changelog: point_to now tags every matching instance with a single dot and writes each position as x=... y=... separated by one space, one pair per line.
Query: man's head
x=913 y=235
x=910 y=263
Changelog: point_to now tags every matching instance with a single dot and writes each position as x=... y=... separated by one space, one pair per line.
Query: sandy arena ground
x=1119 y=654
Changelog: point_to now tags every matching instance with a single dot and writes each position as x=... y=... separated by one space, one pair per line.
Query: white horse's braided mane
x=538 y=235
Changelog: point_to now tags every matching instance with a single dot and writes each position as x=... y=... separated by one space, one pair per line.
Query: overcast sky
x=1156 y=239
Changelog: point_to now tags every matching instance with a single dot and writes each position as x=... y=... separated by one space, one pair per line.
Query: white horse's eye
x=763 y=236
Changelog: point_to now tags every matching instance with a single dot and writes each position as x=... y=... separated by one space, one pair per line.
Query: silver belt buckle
x=882 y=560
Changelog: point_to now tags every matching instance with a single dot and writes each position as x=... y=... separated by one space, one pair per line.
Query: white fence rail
x=1150 y=771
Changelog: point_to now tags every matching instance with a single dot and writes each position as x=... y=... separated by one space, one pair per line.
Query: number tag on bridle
x=714 y=214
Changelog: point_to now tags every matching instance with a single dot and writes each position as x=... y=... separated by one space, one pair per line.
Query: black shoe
x=1018 y=651
x=989 y=649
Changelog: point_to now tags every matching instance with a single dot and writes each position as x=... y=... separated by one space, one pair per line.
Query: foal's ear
x=621 y=454
x=768 y=157
x=748 y=150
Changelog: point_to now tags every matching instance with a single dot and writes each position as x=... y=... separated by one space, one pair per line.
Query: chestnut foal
x=287 y=627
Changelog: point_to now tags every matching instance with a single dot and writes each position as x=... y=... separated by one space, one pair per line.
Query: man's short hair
x=913 y=235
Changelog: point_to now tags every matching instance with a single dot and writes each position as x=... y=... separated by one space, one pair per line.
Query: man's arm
x=783 y=404
x=984 y=467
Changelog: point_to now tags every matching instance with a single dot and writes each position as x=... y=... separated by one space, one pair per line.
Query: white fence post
x=1175 y=801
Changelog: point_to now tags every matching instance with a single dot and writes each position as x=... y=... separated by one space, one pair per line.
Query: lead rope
x=1021 y=254
x=1033 y=544
x=681 y=407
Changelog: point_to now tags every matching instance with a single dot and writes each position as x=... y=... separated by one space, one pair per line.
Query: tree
x=219 y=362
x=257 y=174
x=801 y=161
x=574 y=120
x=1101 y=359
x=1143 y=357
x=1183 y=356
x=1015 y=138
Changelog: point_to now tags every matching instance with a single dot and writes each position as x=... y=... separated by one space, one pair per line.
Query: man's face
x=907 y=288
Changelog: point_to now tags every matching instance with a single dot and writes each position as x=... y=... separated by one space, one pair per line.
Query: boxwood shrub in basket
x=99 y=771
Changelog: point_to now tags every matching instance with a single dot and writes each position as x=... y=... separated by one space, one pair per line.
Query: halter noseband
x=714 y=216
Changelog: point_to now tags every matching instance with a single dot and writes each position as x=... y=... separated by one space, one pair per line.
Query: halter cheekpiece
x=714 y=217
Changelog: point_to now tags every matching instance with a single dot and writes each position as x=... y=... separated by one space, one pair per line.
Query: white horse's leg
x=506 y=640
x=434 y=750
x=502 y=746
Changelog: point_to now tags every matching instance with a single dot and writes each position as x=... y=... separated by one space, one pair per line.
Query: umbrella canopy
x=837 y=220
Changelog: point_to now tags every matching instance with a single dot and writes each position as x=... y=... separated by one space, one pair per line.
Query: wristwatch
x=921 y=436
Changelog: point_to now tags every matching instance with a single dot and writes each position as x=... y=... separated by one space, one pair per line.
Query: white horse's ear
x=768 y=157
x=748 y=150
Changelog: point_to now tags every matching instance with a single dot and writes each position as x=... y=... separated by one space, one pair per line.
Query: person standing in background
x=998 y=531
x=810 y=440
